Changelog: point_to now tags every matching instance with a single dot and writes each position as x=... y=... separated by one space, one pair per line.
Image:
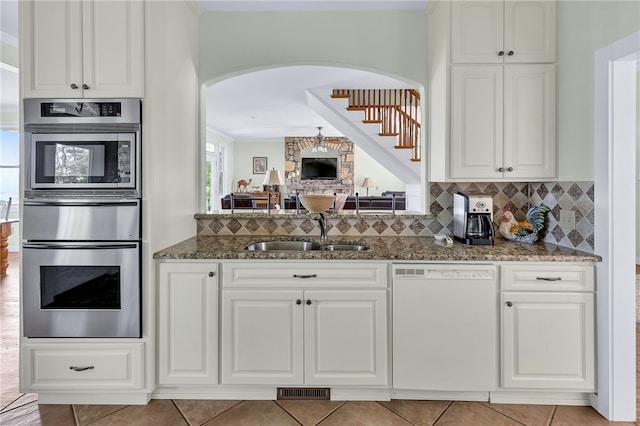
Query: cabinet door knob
x=510 y=53
x=501 y=53
x=85 y=86
x=74 y=86
x=501 y=169
x=212 y=274
x=298 y=302
x=509 y=169
x=308 y=302
x=509 y=304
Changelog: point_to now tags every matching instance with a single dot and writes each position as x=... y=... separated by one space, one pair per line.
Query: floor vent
x=304 y=393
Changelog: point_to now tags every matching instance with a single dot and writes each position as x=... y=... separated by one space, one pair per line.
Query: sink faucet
x=323 y=225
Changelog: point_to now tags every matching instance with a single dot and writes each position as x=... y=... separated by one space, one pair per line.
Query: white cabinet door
x=476 y=121
x=51 y=40
x=262 y=332
x=188 y=323
x=345 y=337
x=113 y=53
x=75 y=49
x=503 y=122
x=444 y=335
x=529 y=122
x=530 y=31
x=477 y=31
x=503 y=32
x=548 y=341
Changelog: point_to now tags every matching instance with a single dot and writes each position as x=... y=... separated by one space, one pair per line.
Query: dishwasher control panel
x=444 y=272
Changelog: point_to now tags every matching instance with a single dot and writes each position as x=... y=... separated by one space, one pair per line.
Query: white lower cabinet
x=262 y=334
x=187 y=323
x=345 y=337
x=548 y=327
x=280 y=329
x=72 y=367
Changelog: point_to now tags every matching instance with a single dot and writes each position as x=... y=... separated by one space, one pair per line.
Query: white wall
x=365 y=166
x=243 y=160
x=391 y=43
x=170 y=122
x=583 y=28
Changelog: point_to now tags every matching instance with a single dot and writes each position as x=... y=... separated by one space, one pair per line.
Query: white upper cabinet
x=503 y=122
x=503 y=32
x=88 y=48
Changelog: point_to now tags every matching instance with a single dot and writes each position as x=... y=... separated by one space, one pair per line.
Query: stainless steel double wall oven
x=82 y=218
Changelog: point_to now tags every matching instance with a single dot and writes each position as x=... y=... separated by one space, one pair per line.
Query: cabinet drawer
x=304 y=275
x=82 y=366
x=546 y=277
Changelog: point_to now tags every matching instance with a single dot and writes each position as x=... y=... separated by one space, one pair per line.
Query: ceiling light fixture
x=320 y=146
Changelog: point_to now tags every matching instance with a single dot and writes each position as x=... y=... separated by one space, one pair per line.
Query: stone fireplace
x=293 y=154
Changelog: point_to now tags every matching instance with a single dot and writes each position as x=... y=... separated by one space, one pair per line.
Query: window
x=216 y=175
x=10 y=168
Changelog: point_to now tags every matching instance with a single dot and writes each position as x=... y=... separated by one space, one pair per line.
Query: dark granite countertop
x=380 y=248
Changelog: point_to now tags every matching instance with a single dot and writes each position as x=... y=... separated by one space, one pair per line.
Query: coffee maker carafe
x=473 y=218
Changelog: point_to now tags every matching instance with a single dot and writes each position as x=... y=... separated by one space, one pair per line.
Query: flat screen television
x=319 y=168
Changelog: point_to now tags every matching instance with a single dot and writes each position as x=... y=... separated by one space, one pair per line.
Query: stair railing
x=396 y=110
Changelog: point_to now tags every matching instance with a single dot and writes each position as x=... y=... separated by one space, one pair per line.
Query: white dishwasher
x=444 y=327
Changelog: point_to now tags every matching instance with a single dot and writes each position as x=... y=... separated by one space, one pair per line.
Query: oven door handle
x=65 y=246
x=80 y=203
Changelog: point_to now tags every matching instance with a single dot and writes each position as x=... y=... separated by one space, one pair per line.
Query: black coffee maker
x=473 y=218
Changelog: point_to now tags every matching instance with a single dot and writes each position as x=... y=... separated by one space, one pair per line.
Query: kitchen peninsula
x=365 y=324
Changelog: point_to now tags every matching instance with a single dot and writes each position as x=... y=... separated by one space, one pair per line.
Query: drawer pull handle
x=91 y=367
x=304 y=276
x=549 y=278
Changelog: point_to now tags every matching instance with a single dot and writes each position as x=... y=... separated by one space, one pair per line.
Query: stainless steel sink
x=304 y=246
x=284 y=245
x=345 y=247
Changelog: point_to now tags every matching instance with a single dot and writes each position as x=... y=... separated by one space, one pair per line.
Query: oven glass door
x=87 y=160
x=81 y=290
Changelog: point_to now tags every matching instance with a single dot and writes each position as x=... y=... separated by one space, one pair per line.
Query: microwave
x=83 y=145
x=83 y=160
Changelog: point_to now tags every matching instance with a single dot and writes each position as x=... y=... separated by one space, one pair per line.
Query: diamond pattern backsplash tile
x=519 y=196
x=576 y=196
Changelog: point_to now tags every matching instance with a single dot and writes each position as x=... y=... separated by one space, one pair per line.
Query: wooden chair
x=5 y=207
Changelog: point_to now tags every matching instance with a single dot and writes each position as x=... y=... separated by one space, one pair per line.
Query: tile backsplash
x=519 y=196
x=576 y=196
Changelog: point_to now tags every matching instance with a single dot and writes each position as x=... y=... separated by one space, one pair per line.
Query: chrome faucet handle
x=323 y=224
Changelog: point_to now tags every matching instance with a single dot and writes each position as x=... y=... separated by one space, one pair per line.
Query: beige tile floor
x=23 y=409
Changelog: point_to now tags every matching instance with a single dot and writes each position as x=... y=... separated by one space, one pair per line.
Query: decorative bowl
x=317 y=203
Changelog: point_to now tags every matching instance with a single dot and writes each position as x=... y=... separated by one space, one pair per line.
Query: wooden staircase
x=397 y=111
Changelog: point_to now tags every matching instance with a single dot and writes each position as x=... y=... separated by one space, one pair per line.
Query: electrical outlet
x=567 y=219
